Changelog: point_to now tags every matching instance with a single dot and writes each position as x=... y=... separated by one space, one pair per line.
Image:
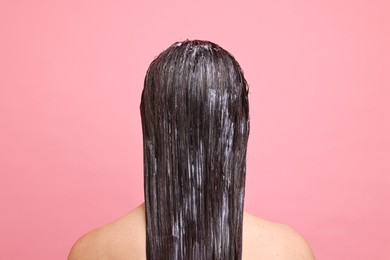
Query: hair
x=195 y=123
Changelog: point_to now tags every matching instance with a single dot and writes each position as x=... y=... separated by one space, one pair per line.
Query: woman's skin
x=125 y=239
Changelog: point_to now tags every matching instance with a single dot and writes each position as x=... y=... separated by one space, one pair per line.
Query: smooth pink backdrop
x=71 y=75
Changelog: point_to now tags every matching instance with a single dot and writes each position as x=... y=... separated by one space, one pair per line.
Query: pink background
x=71 y=75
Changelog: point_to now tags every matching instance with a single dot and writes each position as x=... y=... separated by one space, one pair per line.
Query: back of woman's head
x=195 y=120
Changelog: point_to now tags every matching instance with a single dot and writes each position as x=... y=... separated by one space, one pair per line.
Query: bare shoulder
x=121 y=239
x=268 y=240
x=125 y=239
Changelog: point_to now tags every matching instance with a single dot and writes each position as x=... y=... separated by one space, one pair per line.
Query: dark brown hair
x=195 y=121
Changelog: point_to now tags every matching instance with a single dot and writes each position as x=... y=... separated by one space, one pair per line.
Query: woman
x=195 y=120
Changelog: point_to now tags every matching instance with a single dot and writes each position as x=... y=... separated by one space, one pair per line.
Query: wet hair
x=195 y=122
